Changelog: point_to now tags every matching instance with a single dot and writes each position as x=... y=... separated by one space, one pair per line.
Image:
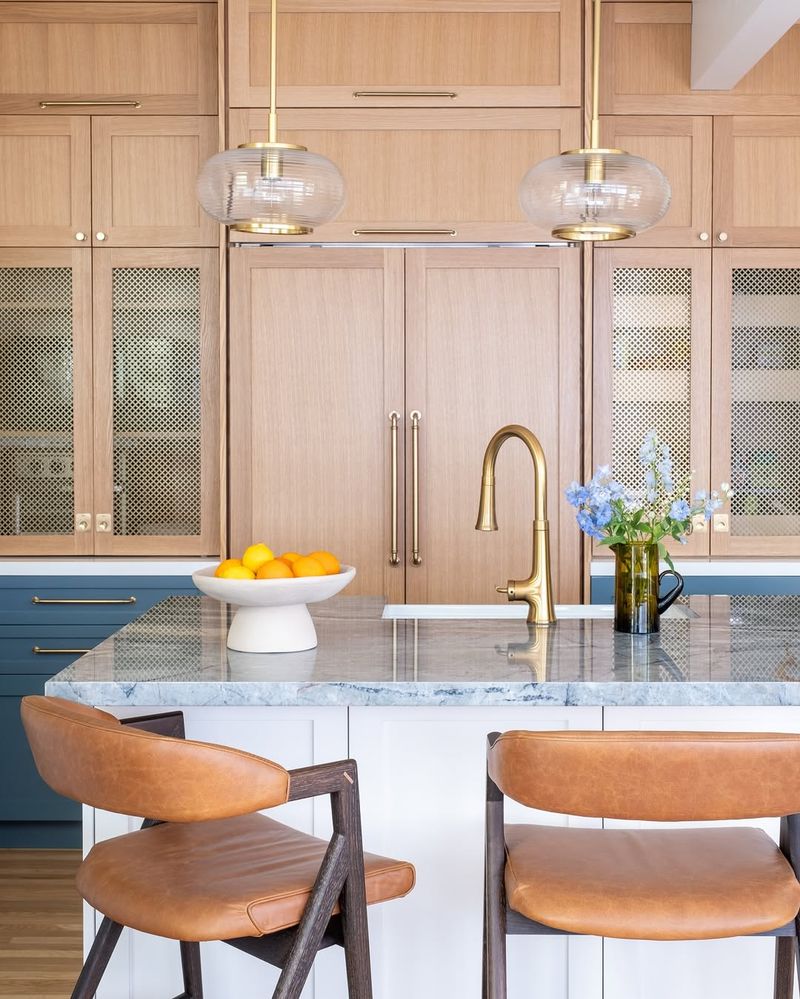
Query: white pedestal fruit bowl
x=272 y=614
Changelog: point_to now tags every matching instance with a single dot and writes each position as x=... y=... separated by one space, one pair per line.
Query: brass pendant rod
x=273 y=72
x=594 y=129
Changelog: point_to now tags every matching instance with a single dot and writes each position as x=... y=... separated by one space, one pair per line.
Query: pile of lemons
x=259 y=562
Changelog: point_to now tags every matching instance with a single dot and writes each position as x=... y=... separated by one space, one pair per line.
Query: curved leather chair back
x=656 y=776
x=87 y=755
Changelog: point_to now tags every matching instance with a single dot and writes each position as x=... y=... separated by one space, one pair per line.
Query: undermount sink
x=486 y=612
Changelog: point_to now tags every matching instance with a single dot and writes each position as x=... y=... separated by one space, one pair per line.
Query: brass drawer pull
x=405 y=232
x=59 y=652
x=416 y=558
x=89 y=104
x=69 y=600
x=450 y=94
x=394 y=419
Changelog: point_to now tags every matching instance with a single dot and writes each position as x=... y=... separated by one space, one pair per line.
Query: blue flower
x=650 y=478
x=680 y=510
x=603 y=515
x=616 y=489
x=701 y=496
x=587 y=524
x=647 y=452
x=576 y=494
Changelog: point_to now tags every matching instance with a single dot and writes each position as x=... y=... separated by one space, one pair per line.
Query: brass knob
x=501 y=589
x=722 y=237
x=704 y=236
x=100 y=236
x=80 y=236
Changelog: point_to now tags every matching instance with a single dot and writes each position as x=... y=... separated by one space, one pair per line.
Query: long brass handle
x=89 y=104
x=59 y=652
x=416 y=558
x=405 y=232
x=70 y=600
x=394 y=420
x=450 y=94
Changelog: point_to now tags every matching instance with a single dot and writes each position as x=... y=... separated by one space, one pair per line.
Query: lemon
x=226 y=564
x=255 y=556
x=235 y=572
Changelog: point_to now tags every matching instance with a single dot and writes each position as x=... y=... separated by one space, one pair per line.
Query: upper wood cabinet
x=143 y=180
x=646 y=67
x=409 y=53
x=45 y=194
x=159 y=55
x=681 y=146
x=410 y=173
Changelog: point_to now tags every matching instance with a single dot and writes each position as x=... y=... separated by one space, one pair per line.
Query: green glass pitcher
x=637 y=583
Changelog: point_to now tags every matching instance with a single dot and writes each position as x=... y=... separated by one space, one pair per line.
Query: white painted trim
x=101 y=567
x=699 y=567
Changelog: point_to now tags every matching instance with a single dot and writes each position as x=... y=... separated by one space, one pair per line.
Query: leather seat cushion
x=244 y=876
x=650 y=884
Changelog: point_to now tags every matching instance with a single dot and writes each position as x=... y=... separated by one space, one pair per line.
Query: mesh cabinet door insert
x=156 y=402
x=45 y=402
x=651 y=365
x=756 y=413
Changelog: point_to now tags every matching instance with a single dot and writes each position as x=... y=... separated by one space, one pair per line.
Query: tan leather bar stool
x=205 y=865
x=643 y=884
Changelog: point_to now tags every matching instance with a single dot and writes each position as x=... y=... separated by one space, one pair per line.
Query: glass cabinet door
x=156 y=402
x=45 y=402
x=756 y=414
x=651 y=365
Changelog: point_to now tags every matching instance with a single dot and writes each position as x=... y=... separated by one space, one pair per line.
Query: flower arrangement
x=662 y=509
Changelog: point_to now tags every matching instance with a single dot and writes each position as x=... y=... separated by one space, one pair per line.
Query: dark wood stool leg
x=192 y=970
x=784 y=967
x=97 y=961
x=353 y=901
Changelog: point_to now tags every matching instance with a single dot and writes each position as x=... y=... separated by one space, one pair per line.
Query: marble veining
x=741 y=650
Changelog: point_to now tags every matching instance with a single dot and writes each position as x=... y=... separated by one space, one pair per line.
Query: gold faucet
x=537 y=589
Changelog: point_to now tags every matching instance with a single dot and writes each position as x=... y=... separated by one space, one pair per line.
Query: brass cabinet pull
x=450 y=94
x=394 y=419
x=59 y=652
x=71 y=600
x=89 y=104
x=416 y=558
x=405 y=232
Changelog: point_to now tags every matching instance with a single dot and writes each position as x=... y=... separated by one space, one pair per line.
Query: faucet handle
x=501 y=589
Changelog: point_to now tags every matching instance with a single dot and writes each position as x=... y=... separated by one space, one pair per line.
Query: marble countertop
x=741 y=650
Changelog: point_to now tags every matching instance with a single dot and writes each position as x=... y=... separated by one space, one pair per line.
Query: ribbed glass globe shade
x=271 y=188
x=595 y=194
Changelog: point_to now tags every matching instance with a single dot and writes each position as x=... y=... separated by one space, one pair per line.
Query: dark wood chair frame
x=340 y=879
x=499 y=920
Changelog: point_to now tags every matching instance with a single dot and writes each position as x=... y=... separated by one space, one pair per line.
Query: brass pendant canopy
x=271 y=188
x=595 y=194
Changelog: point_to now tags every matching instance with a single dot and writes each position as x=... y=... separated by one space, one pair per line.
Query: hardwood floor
x=40 y=923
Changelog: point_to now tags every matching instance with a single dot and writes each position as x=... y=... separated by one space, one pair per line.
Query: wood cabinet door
x=45 y=402
x=45 y=198
x=493 y=337
x=101 y=58
x=143 y=180
x=646 y=67
x=681 y=146
x=651 y=363
x=425 y=174
x=756 y=412
x=156 y=402
x=316 y=369
x=756 y=177
x=398 y=53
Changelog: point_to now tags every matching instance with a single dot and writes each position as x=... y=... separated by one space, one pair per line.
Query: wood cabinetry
x=489 y=339
x=159 y=57
x=409 y=53
x=421 y=174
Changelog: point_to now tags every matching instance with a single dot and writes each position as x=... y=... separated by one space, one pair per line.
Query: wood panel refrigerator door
x=756 y=175
x=652 y=356
x=468 y=53
x=316 y=369
x=425 y=174
x=45 y=402
x=45 y=198
x=161 y=56
x=143 y=180
x=756 y=412
x=493 y=337
x=156 y=402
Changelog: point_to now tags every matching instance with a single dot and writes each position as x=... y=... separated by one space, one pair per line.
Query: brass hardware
x=89 y=104
x=597 y=233
x=348 y=778
x=103 y=523
x=405 y=93
x=405 y=232
x=72 y=601
x=59 y=652
x=703 y=236
x=723 y=237
x=721 y=523
x=83 y=522
x=80 y=236
x=416 y=416
x=100 y=236
x=537 y=589
x=699 y=524
x=394 y=417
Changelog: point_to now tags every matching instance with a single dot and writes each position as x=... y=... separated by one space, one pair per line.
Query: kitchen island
x=412 y=699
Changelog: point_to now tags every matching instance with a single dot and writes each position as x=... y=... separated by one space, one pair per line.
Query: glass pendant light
x=274 y=188
x=595 y=194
